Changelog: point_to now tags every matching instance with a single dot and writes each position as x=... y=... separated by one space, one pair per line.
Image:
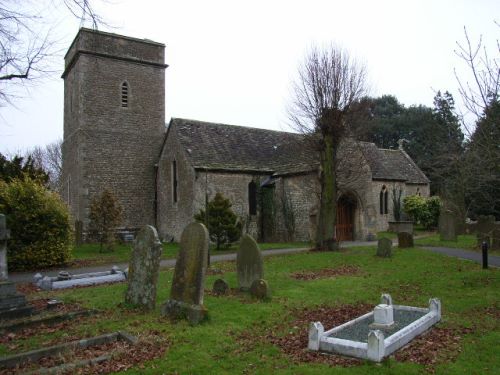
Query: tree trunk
x=325 y=235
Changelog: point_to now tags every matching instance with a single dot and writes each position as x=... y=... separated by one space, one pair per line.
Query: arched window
x=418 y=192
x=124 y=94
x=252 y=198
x=384 y=197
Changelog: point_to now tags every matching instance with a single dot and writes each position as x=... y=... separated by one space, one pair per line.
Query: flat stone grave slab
x=28 y=361
x=364 y=337
x=66 y=280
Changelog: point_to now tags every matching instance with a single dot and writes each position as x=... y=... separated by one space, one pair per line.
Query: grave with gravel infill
x=378 y=333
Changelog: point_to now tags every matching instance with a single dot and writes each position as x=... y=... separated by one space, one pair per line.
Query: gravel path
x=493 y=260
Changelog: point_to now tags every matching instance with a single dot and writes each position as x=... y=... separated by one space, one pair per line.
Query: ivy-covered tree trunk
x=325 y=235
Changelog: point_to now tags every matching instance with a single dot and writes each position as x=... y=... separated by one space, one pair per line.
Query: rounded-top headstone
x=384 y=248
x=189 y=274
x=249 y=263
x=220 y=288
x=260 y=289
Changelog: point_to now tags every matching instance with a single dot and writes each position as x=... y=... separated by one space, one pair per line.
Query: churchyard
x=245 y=334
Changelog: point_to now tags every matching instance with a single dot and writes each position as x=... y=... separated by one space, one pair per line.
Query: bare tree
x=328 y=85
x=49 y=159
x=480 y=173
x=26 y=44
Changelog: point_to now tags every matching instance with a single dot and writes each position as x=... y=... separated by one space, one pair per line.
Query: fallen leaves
x=343 y=270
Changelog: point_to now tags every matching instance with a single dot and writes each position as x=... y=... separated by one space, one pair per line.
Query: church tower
x=114 y=122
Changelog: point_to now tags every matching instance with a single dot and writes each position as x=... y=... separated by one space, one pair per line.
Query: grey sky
x=234 y=61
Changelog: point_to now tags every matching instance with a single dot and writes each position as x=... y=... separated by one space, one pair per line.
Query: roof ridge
x=232 y=126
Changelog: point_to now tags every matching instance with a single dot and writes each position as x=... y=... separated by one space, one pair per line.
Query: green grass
x=411 y=276
x=465 y=241
x=90 y=254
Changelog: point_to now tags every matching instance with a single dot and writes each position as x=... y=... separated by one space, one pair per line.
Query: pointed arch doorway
x=346 y=207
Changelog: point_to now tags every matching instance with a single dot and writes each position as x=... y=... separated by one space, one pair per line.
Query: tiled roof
x=239 y=148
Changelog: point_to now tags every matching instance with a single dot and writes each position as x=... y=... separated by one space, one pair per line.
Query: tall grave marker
x=186 y=295
x=143 y=269
x=249 y=263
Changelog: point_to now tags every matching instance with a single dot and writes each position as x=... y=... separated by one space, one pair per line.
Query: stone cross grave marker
x=249 y=264
x=186 y=294
x=447 y=225
x=405 y=240
x=143 y=269
x=384 y=248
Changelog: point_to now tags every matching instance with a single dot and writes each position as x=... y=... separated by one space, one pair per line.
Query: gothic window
x=418 y=192
x=383 y=197
x=124 y=94
x=252 y=198
x=174 y=181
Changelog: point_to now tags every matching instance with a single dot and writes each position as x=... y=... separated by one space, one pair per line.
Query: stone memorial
x=405 y=240
x=485 y=229
x=220 y=288
x=384 y=248
x=447 y=225
x=143 y=269
x=12 y=303
x=260 y=289
x=186 y=294
x=249 y=263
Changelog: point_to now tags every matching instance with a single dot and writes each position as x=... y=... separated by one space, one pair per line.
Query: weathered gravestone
x=143 y=269
x=405 y=240
x=12 y=303
x=485 y=229
x=384 y=248
x=249 y=264
x=220 y=288
x=447 y=225
x=260 y=289
x=186 y=295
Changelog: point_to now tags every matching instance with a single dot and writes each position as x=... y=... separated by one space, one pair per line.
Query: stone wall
x=105 y=144
x=172 y=216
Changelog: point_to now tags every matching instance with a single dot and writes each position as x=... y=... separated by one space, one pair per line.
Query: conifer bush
x=39 y=222
x=222 y=223
x=105 y=215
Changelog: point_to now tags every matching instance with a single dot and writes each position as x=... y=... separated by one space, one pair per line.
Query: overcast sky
x=234 y=61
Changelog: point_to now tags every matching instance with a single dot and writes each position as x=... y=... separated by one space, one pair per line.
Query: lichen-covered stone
x=186 y=294
x=405 y=240
x=143 y=269
x=384 y=248
x=220 y=288
x=260 y=289
x=249 y=263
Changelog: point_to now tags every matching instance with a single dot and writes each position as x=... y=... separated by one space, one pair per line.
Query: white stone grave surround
x=378 y=346
x=84 y=279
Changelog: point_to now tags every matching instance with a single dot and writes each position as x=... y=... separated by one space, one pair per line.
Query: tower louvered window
x=124 y=94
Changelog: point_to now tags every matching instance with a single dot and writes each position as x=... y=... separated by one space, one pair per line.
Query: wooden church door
x=345 y=219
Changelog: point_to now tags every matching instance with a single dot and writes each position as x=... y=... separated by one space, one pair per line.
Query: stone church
x=115 y=137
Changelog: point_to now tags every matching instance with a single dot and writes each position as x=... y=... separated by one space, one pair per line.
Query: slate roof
x=238 y=148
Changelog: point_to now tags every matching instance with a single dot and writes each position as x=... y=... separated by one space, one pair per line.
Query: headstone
x=260 y=289
x=12 y=303
x=143 y=269
x=405 y=240
x=447 y=225
x=220 y=288
x=249 y=264
x=485 y=229
x=186 y=294
x=384 y=248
